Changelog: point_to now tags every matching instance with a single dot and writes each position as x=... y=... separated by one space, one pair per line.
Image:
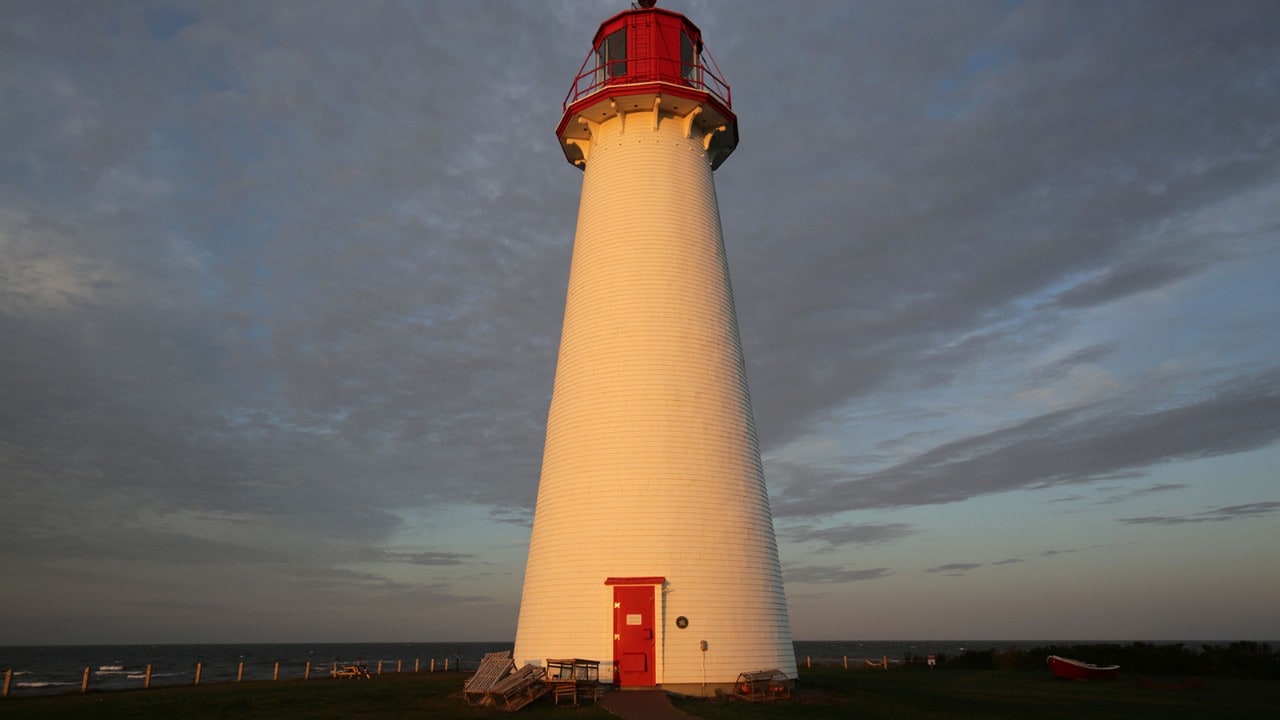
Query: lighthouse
x=653 y=549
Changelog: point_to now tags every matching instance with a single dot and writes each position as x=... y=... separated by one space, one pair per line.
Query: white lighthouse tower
x=653 y=548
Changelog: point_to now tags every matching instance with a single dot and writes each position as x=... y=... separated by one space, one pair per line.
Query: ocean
x=60 y=668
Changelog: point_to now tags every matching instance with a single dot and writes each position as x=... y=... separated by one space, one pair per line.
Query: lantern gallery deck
x=649 y=61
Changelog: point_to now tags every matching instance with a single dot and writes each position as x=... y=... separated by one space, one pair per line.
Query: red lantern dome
x=648 y=60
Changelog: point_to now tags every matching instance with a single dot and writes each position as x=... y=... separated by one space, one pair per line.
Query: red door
x=634 y=653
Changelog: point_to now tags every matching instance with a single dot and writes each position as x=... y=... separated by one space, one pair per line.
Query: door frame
x=657 y=583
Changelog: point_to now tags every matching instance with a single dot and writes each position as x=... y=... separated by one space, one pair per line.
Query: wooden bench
x=574 y=679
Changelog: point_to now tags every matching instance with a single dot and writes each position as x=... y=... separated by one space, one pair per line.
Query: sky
x=281 y=288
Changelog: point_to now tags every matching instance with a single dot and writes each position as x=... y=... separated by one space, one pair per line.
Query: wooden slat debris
x=762 y=685
x=518 y=689
x=354 y=670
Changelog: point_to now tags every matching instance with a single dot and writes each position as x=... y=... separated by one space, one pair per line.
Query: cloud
x=953 y=569
x=1123 y=281
x=1008 y=561
x=1141 y=492
x=519 y=516
x=429 y=559
x=831 y=574
x=1084 y=356
x=343 y=579
x=1076 y=445
x=1222 y=514
x=839 y=536
x=1060 y=551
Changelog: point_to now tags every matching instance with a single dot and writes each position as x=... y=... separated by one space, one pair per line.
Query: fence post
x=379 y=667
x=8 y=678
x=275 y=674
x=84 y=681
x=306 y=674
x=446 y=664
x=433 y=664
x=808 y=661
x=398 y=665
x=335 y=669
x=146 y=683
x=846 y=662
x=415 y=664
x=240 y=672
x=199 y=667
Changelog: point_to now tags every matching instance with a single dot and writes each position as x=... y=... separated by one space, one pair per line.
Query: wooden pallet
x=493 y=668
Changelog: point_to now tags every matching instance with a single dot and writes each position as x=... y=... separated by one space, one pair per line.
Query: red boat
x=1068 y=669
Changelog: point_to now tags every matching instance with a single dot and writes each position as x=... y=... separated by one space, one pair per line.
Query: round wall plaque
x=682 y=622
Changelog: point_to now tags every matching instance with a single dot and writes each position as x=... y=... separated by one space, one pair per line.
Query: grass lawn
x=824 y=693
x=396 y=695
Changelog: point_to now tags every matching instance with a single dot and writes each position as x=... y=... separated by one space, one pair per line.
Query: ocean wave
x=40 y=684
x=109 y=668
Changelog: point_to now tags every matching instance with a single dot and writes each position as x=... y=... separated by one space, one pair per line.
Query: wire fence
x=116 y=677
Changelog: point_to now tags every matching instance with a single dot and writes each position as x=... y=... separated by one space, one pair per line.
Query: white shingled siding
x=651 y=465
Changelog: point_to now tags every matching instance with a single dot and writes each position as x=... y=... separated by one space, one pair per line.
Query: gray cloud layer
x=1081 y=444
x=272 y=276
x=1222 y=514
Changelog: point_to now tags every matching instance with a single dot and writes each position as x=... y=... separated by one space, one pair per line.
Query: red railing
x=595 y=76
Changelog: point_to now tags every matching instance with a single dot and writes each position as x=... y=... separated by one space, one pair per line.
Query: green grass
x=824 y=693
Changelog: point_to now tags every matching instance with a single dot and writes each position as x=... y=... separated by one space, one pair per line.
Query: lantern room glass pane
x=689 y=68
x=611 y=56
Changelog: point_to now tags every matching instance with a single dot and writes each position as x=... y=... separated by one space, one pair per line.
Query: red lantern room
x=653 y=61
